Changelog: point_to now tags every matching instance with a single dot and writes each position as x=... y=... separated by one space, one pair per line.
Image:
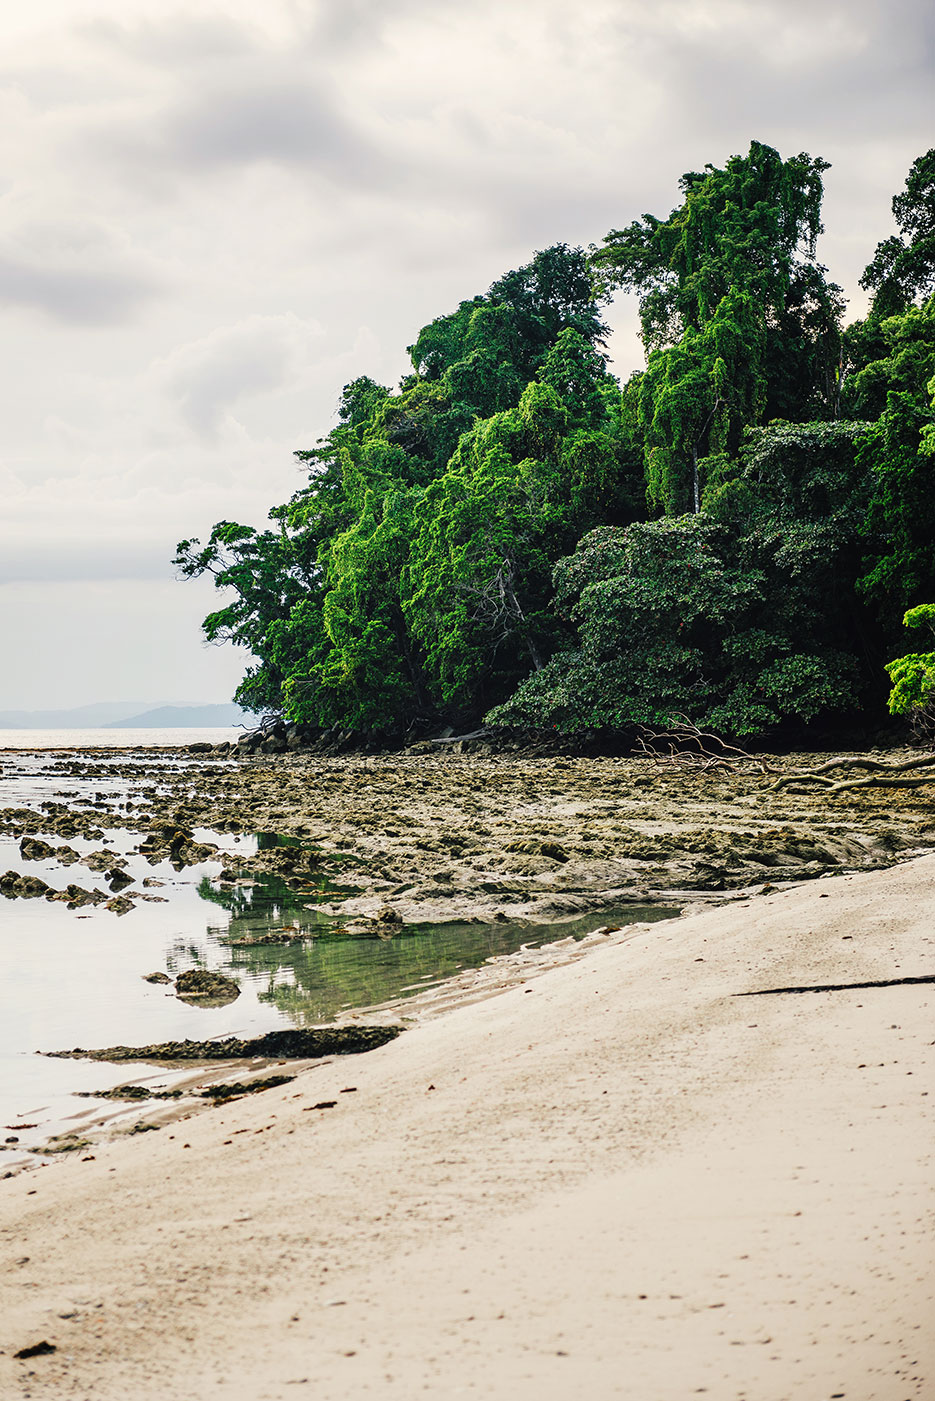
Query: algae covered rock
x=296 y=1043
x=14 y=886
x=205 y=986
x=34 y=849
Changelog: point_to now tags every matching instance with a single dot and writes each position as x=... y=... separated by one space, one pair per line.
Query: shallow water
x=76 y=977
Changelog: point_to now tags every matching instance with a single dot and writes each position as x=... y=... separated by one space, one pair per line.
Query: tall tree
x=738 y=320
x=902 y=270
x=898 y=450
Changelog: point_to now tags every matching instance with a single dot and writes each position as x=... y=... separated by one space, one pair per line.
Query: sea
x=113 y=739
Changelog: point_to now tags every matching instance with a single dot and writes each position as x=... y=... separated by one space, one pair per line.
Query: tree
x=519 y=490
x=900 y=274
x=320 y=600
x=913 y=677
x=902 y=269
x=898 y=450
x=739 y=617
x=737 y=318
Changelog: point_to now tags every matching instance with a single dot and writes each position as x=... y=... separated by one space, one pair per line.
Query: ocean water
x=112 y=739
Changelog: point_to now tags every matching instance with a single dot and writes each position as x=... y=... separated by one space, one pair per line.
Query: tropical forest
x=741 y=534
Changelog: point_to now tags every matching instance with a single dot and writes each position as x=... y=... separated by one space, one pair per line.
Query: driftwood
x=685 y=746
x=878 y=775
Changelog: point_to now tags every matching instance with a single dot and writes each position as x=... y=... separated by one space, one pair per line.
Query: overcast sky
x=213 y=216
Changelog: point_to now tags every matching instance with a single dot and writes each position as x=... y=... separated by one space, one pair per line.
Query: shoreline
x=615 y=1173
x=421 y=840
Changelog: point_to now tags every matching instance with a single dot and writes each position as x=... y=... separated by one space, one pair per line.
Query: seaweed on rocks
x=306 y=1043
x=235 y=1088
x=202 y=984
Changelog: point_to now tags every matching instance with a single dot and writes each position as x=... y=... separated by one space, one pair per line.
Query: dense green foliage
x=734 y=535
x=733 y=616
x=913 y=676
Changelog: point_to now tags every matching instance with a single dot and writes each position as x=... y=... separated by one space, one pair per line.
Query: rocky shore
x=445 y=835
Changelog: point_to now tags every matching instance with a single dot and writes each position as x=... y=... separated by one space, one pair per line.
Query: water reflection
x=311 y=970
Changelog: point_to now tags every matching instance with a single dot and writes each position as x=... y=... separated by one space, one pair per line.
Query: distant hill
x=79 y=717
x=127 y=715
x=185 y=717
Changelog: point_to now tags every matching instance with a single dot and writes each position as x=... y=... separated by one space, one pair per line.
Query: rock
x=168 y=841
x=151 y=882
x=36 y=1350
x=156 y=978
x=118 y=879
x=298 y=1043
x=13 y=885
x=74 y=896
x=200 y=748
x=32 y=849
x=387 y=915
x=120 y=905
x=202 y=983
x=234 y=1089
x=98 y=860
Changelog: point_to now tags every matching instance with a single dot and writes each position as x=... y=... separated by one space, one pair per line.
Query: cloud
x=79 y=273
x=74 y=295
x=212 y=217
x=66 y=559
x=206 y=378
x=267 y=117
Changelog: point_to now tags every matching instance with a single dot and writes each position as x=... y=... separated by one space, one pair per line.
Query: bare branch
x=685 y=746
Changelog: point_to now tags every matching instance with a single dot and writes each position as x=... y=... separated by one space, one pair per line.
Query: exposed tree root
x=881 y=775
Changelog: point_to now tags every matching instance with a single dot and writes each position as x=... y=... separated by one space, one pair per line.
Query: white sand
x=626 y=1182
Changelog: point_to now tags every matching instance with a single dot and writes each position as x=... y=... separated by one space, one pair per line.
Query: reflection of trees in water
x=266 y=904
x=312 y=982
x=183 y=953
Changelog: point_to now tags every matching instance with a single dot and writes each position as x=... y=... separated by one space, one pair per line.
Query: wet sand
x=616 y=1176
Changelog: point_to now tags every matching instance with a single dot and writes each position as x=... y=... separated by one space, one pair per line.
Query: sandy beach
x=617 y=1176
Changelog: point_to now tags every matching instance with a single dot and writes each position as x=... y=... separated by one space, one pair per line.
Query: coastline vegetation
x=734 y=534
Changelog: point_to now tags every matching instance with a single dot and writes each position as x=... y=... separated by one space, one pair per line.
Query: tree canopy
x=733 y=535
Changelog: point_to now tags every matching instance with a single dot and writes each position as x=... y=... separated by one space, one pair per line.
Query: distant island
x=186 y=717
x=128 y=715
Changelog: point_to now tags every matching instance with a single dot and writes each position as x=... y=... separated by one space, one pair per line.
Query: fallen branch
x=684 y=745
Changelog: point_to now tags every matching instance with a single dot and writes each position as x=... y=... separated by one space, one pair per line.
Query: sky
x=213 y=216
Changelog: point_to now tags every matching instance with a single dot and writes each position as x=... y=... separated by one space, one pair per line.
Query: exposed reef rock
x=206 y=987
x=308 y=1043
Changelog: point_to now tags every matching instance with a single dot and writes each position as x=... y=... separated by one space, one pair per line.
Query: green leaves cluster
x=913 y=676
x=733 y=616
